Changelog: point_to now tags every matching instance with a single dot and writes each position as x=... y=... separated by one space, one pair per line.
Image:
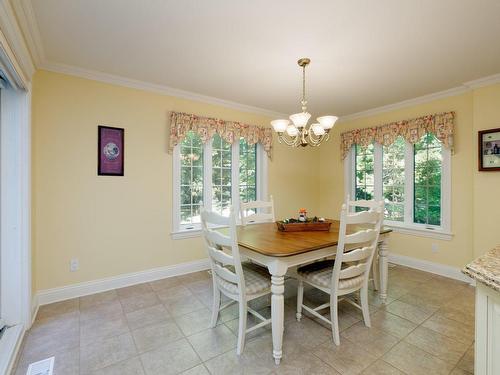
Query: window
x=413 y=181
x=216 y=175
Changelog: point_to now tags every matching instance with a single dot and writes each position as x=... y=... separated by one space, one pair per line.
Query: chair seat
x=320 y=273
x=257 y=280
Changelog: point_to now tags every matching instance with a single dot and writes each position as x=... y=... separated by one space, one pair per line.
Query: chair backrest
x=361 y=203
x=223 y=250
x=358 y=239
x=256 y=213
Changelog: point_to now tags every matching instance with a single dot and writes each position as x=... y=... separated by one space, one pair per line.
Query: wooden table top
x=266 y=239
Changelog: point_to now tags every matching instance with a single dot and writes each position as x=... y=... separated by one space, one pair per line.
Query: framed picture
x=110 y=151
x=489 y=150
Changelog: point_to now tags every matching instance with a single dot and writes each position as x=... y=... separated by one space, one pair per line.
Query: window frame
x=180 y=231
x=442 y=231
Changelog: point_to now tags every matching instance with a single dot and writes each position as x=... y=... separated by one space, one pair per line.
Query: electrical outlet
x=434 y=248
x=73 y=265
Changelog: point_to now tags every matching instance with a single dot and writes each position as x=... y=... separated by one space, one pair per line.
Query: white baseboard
x=427 y=266
x=44 y=297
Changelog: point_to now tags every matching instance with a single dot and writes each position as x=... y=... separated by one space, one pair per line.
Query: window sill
x=183 y=234
x=438 y=234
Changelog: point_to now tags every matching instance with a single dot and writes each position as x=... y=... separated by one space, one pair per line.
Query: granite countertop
x=486 y=269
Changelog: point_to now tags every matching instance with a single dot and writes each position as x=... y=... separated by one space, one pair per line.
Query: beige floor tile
x=107 y=309
x=197 y=370
x=195 y=321
x=102 y=328
x=412 y=360
x=462 y=315
x=97 y=299
x=409 y=312
x=436 y=344
x=373 y=340
x=169 y=282
x=45 y=343
x=134 y=290
x=303 y=364
x=451 y=328
x=181 y=306
x=213 y=342
x=256 y=359
x=175 y=293
x=139 y=302
x=418 y=299
x=173 y=358
x=347 y=358
x=467 y=361
x=381 y=368
x=150 y=315
x=303 y=336
x=132 y=366
x=66 y=362
x=153 y=336
x=200 y=286
x=56 y=324
x=106 y=352
x=58 y=308
x=458 y=371
x=392 y=324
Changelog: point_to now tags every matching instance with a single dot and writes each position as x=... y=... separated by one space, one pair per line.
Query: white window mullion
x=261 y=174
x=446 y=190
x=409 y=181
x=207 y=175
x=377 y=171
x=176 y=193
x=235 y=177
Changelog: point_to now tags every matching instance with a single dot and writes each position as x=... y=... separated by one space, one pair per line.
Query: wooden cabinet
x=487 y=347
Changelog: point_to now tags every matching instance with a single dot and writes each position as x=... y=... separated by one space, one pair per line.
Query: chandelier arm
x=289 y=141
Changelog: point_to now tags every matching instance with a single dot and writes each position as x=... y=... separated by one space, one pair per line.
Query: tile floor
x=427 y=327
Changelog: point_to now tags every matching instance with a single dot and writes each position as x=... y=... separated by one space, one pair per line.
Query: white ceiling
x=364 y=53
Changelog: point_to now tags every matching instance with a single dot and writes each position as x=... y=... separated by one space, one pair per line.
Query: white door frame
x=15 y=206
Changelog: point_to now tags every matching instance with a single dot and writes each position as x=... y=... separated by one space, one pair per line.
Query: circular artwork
x=111 y=151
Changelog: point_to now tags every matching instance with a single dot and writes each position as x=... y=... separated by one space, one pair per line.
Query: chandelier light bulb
x=317 y=129
x=327 y=122
x=300 y=119
x=279 y=126
x=292 y=131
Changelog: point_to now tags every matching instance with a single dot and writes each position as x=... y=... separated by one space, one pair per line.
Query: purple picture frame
x=110 y=151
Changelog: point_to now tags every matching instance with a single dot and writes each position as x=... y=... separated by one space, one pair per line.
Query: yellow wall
x=486 y=184
x=117 y=225
x=456 y=252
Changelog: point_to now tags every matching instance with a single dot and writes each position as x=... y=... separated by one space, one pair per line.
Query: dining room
x=204 y=188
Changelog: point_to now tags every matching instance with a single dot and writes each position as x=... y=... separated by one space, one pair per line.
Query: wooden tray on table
x=304 y=227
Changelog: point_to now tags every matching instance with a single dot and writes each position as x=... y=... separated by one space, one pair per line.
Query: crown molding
x=482 y=82
x=29 y=25
x=9 y=27
x=152 y=87
x=465 y=87
x=406 y=103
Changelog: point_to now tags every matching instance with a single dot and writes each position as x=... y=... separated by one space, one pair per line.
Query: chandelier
x=298 y=133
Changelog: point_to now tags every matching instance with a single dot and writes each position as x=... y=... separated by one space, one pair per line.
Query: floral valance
x=439 y=124
x=206 y=128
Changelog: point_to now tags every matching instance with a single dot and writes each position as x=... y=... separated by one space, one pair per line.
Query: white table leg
x=383 y=252
x=277 y=271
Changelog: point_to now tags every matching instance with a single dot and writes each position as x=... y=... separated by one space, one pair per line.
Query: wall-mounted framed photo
x=489 y=150
x=110 y=151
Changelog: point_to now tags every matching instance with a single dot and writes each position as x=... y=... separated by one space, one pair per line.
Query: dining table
x=279 y=251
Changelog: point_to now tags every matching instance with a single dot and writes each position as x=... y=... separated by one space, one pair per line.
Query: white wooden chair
x=350 y=270
x=256 y=215
x=240 y=282
x=368 y=204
